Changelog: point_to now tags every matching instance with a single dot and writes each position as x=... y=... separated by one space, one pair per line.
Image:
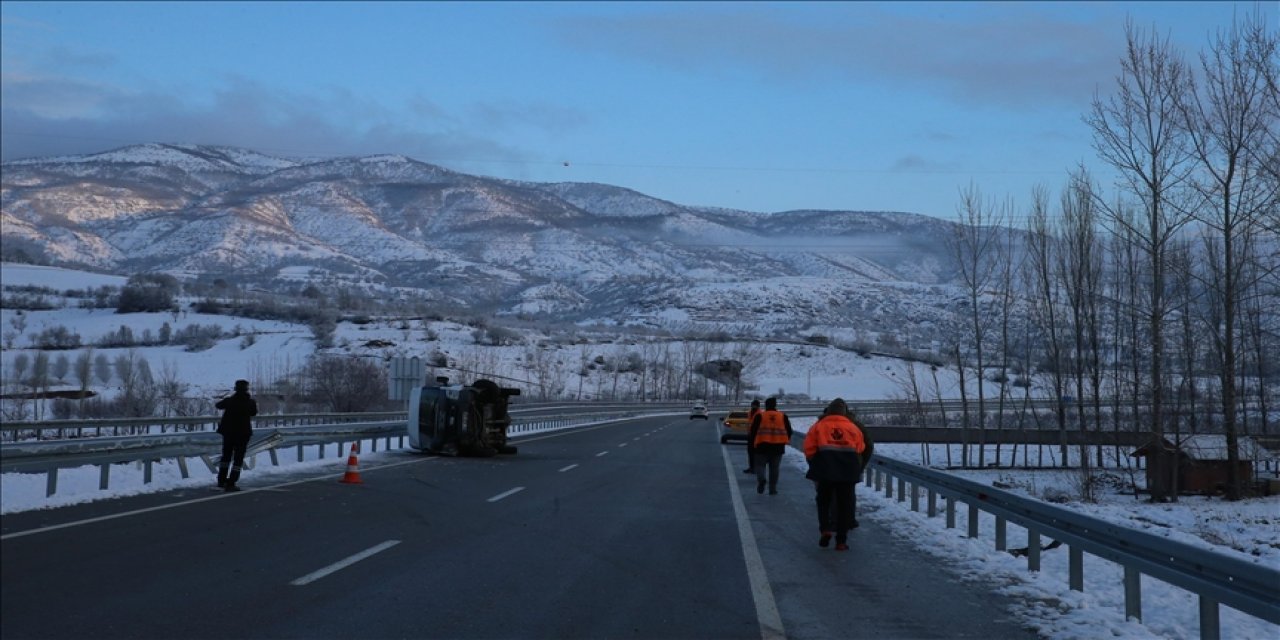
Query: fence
x=1214 y=577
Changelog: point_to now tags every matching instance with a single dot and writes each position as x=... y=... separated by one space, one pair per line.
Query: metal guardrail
x=1216 y=578
x=49 y=456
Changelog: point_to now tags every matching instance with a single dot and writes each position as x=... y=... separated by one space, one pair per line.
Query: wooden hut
x=1196 y=464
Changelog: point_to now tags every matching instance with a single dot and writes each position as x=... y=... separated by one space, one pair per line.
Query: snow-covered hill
x=576 y=252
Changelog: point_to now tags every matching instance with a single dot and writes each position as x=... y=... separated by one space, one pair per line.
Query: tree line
x=1150 y=304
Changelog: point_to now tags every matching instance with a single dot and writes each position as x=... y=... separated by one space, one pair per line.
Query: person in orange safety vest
x=770 y=433
x=834 y=448
x=751 y=447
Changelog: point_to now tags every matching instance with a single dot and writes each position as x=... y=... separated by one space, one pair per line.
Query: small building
x=1196 y=464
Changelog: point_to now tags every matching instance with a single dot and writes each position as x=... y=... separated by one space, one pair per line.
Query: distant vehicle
x=699 y=411
x=454 y=420
x=736 y=426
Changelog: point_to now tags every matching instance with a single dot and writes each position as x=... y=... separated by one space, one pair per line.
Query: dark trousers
x=768 y=459
x=836 y=504
x=751 y=456
x=233 y=449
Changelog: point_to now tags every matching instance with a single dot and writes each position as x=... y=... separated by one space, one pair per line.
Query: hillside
x=396 y=227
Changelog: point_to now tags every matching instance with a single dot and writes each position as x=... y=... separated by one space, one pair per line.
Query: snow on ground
x=1250 y=529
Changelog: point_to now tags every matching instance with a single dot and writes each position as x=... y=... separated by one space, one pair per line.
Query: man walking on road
x=236 y=429
x=770 y=433
x=751 y=448
x=834 y=447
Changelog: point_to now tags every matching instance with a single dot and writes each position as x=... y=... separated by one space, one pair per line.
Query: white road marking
x=505 y=494
x=220 y=496
x=766 y=607
x=342 y=564
x=572 y=466
x=622 y=445
x=602 y=453
x=635 y=438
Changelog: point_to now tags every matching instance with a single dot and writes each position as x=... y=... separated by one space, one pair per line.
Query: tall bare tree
x=977 y=248
x=1231 y=117
x=1138 y=131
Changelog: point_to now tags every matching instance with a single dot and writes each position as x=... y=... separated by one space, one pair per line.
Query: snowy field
x=1249 y=529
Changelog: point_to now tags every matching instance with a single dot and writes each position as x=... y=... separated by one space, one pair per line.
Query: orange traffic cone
x=352 y=476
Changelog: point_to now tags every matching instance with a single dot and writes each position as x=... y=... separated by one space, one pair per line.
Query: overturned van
x=458 y=420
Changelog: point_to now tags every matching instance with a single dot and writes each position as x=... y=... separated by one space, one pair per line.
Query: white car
x=698 y=411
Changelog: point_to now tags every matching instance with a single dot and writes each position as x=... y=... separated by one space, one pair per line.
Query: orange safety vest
x=834 y=433
x=773 y=428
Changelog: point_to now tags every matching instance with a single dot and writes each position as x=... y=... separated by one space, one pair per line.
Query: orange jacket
x=833 y=447
x=770 y=432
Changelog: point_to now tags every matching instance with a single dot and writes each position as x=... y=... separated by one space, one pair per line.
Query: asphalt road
x=640 y=529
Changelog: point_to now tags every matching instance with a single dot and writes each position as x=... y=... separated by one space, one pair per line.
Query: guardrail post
x=299 y=453
x=182 y=467
x=888 y=486
x=51 y=482
x=1033 y=550
x=951 y=512
x=1209 y=624
x=1001 y=526
x=902 y=488
x=275 y=461
x=1132 y=593
x=933 y=503
x=973 y=520
x=104 y=473
x=146 y=471
x=1075 y=570
x=915 y=497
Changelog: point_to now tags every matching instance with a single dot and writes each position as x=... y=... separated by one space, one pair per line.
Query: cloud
x=1000 y=55
x=912 y=163
x=54 y=115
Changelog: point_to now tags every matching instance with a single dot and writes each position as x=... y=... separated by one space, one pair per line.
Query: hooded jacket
x=834 y=447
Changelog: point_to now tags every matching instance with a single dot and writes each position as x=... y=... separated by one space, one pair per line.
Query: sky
x=885 y=106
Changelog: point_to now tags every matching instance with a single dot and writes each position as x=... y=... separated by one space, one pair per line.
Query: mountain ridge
x=571 y=251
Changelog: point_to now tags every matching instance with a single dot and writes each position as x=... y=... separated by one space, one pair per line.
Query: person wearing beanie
x=236 y=428
x=770 y=433
x=834 y=448
x=751 y=448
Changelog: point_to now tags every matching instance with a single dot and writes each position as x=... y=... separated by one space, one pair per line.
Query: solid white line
x=342 y=564
x=221 y=496
x=572 y=466
x=506 y=493
x=602 y=453
x=766 y=607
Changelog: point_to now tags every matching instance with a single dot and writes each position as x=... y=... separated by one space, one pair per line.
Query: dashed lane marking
x=572 y=466
x=506 y=494
x=344 y=563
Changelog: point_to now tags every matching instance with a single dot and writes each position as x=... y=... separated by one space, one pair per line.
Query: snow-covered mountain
x=566 y=251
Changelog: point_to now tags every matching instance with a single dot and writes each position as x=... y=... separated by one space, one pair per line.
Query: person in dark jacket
x=236 y=429
x=770 y=433
x=834 y=448
x=751 y=447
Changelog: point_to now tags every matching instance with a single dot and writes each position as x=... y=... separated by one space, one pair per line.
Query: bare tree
x=1139 y=132
x=1231 y=117
x=102 y=368
x=976 y=247
x=1045 y=305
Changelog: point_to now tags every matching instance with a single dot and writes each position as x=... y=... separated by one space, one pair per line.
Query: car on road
x=699 y=411
x=735 y=426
